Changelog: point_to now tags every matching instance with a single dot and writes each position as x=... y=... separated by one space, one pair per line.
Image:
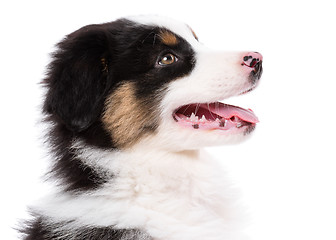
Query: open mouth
x=214 y=116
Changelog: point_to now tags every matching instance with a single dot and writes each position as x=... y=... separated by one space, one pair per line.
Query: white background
x=286 y=171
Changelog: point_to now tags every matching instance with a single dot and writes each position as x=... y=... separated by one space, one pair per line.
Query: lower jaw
x=244 y=129
x=249 y=129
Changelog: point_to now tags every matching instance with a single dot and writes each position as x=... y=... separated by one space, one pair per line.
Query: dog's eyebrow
x=168 y=38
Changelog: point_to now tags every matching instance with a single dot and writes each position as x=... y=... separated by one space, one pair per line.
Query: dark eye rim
x=159 y=63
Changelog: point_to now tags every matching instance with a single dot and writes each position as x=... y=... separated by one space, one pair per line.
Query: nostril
x=251 y=59
x=246 y=58
x=254 y=62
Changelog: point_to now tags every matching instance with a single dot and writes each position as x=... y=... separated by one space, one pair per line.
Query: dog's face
x=149 y=80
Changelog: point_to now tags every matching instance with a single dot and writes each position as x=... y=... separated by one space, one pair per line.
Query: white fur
x=177 y=27
x=171 y=195
x=216 y=76
x=164 y=184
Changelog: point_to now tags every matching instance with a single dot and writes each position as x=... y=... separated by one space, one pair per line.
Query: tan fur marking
x=168 y=38
x=127 y=118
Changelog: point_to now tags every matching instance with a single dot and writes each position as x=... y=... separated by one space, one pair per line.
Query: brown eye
x=167 y=59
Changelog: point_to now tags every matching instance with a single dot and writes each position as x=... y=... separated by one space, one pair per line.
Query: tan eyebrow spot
x=168 y=38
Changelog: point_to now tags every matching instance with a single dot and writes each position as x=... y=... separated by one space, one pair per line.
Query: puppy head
x=141 y=79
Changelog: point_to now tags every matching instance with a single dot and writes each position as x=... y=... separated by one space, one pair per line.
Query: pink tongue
x=228 y=111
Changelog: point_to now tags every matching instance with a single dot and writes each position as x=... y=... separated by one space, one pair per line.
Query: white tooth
x=203 y=119
x=239 y=125
x=193 y=117
x=217 y=120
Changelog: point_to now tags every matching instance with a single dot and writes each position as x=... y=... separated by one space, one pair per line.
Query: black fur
x=88 y=66
x=68 y=168
x=41 y=229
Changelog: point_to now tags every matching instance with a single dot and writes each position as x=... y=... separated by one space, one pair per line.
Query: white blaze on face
x=217 y=75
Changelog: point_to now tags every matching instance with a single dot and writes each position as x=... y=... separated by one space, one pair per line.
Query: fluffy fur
x=125 y=168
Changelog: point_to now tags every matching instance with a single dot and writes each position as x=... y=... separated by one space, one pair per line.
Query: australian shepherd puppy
x=130 y=105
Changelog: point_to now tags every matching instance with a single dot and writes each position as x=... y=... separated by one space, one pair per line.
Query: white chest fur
x=170 y=195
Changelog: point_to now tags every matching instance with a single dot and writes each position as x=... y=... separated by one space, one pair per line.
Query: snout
x=252 y=62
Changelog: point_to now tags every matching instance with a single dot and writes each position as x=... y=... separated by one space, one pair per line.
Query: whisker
x=186 y=109
x=197 y=107
x=211 y=112
x=148 y=36
x=154 y=39
x=217 y=106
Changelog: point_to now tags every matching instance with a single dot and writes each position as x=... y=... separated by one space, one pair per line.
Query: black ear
x=78 y=76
